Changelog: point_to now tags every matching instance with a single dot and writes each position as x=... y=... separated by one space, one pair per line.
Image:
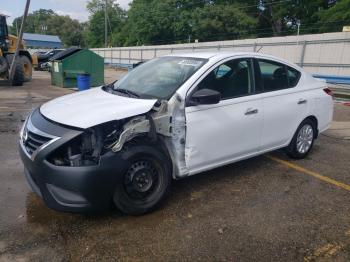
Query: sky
x=74 y=8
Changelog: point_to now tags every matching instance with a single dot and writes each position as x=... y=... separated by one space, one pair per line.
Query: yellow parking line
x=310 y=173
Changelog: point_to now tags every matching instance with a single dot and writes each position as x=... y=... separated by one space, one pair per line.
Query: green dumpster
x=68 y=64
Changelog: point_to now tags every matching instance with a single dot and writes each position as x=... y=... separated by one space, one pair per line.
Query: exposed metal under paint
x=136 y=126
x=170 y=127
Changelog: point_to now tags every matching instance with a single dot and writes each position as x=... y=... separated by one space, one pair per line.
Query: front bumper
x=72 y=189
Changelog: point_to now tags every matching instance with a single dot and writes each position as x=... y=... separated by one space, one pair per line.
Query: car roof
x=208 y=55
x=219 y=55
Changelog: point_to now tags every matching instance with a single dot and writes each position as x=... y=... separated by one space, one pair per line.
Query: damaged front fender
x=166 y=123
x=136 y=126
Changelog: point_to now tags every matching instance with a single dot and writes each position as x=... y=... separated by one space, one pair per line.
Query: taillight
x=328 y=91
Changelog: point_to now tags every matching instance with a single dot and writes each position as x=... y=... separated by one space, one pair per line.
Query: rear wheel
x=146 y=180
x=303 y=140
x=27 y=68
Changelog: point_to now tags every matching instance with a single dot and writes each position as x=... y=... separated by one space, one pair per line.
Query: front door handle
x=302 y=101
x=251 y=111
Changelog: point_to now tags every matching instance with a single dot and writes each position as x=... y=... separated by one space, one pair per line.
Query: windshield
x=158 y=78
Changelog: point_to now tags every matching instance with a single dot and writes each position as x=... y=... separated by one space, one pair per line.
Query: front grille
x=34 y=141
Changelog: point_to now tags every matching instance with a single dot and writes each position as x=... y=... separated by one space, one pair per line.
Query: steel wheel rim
x=305 y=138
x=142 y=180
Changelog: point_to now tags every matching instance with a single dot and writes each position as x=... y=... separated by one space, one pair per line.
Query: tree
x=69 y=30
x=275 y=15
x=176 y=21
x=96 y=24
x=149 y=22
x=334 y=18
x=222 y=21
x=48 y=22
x=36 y=22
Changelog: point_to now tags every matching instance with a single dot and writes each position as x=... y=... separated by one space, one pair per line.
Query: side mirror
x=205 y=97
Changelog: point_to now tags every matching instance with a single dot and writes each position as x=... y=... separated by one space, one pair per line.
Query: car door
x=220 y=133
x=285 y=103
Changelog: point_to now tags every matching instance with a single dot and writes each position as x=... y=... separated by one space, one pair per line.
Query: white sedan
x=169 y=118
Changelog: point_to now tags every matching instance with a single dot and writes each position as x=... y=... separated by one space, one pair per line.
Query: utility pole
x=190 y=31
x=106 y=40
x=19 y=41
x=298 y=31
x=16 y=27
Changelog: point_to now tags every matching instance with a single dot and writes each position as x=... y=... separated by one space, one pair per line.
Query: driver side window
x=231 y=79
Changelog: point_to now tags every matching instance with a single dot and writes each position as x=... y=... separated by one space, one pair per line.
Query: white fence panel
x=319 y=53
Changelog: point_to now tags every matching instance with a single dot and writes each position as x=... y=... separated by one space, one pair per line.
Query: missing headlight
x=87 y=148
x=80 y=151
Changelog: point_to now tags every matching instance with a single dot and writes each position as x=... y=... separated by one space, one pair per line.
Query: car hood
x=92 y=107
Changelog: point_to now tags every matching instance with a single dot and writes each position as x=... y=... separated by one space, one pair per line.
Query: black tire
x=293 y=150
x=18 y=76
x=3 y=65
x=27 y=68
x=135 y=196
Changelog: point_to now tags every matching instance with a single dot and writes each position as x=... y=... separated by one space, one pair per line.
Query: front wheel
x=303 y=140
x=146 y=180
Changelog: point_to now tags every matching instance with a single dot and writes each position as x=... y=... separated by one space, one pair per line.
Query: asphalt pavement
x=268 y=208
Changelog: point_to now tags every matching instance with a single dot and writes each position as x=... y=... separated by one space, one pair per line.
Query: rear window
x=277 y=76
x=273 y=75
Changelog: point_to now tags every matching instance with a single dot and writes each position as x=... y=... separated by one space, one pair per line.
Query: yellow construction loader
x=24 y=62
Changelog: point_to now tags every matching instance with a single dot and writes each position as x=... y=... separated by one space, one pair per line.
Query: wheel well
x=21 y=53
x=26 y=53
x=145 y=139
x=315 y=121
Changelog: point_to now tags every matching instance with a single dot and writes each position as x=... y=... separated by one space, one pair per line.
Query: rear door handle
x=302 y=101
x=251 y=111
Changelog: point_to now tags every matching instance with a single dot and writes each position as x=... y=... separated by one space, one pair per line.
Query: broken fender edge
x=169 y=123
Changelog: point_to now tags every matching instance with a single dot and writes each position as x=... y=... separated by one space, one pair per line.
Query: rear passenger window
x=293 y=76
x=273 y=75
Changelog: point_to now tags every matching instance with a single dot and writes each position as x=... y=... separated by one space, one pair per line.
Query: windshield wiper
x=128 y=92
x=108 y=88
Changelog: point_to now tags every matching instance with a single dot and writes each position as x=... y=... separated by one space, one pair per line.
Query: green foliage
x=222 y=21
x=96 y=25
x=48 y=22
x=176 y=21
x=179 y=21
x=149 y=22
x=276 y=15
x=334 y=18
x=70 y=31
